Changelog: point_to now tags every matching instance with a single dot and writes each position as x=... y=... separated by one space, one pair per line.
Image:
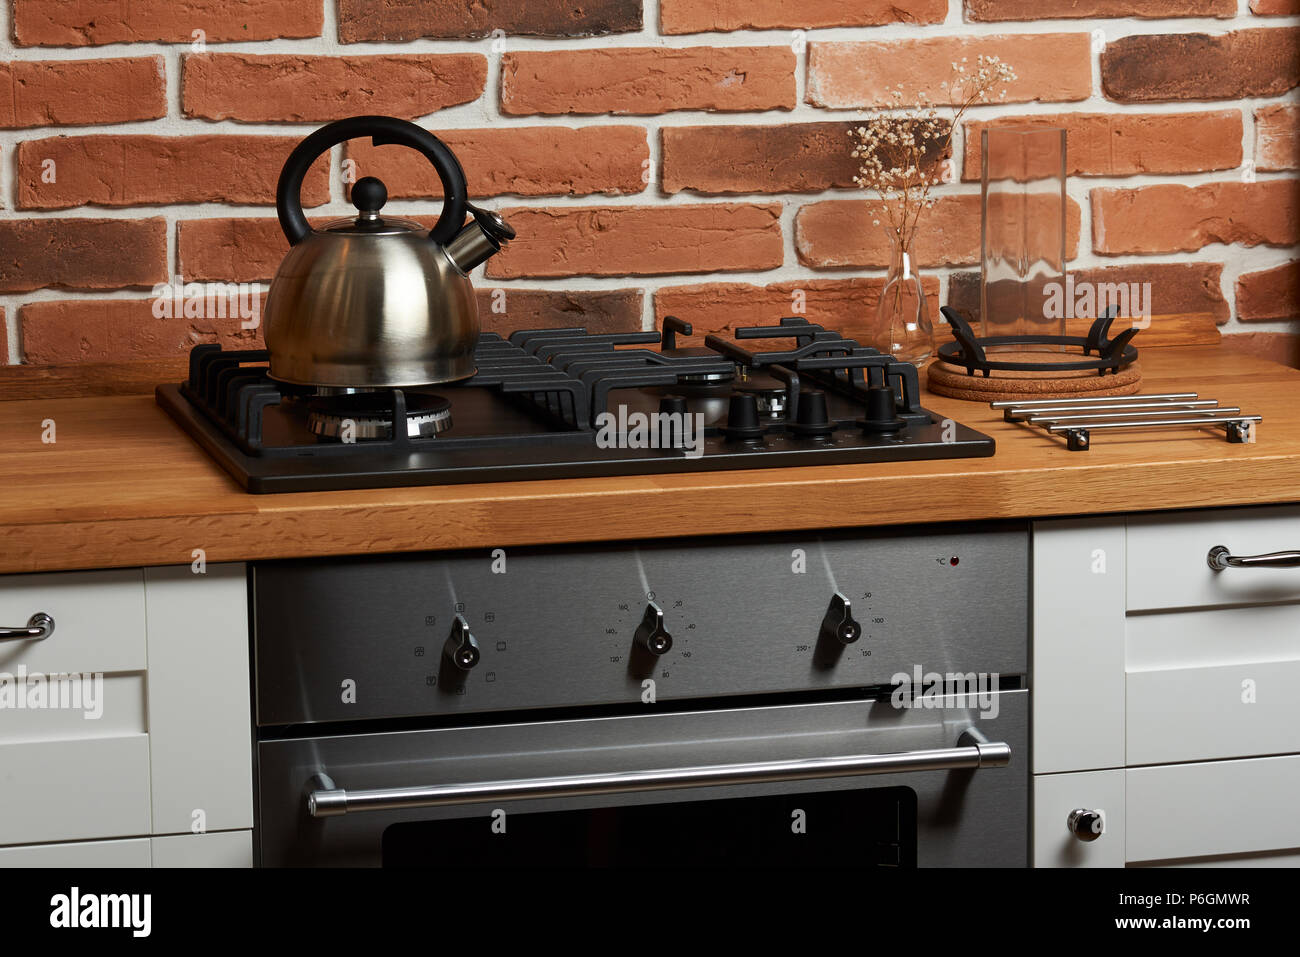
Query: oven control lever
x=461 y=648
x=973 y=751
x=1086 y=825
x=1220 y=558
x=839 y=624
x=651 y=633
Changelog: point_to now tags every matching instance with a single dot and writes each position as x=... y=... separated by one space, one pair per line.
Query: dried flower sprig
x=899 y=151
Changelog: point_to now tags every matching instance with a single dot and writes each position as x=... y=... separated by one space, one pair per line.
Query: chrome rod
x=1220 y=558
x=1109 y=409
x=1097 y=400
x=1093 y=426
x=973 y=751
x=1230 y=412
x=39 y=627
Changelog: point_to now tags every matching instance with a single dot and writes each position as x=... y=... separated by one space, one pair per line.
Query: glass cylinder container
x=1022 y=232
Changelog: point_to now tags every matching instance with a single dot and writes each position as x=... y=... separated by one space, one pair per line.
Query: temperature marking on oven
x=626 y=634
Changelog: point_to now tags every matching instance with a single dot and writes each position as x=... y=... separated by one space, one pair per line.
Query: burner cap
x=700 y=379
x=372 y=414
x=706 y=378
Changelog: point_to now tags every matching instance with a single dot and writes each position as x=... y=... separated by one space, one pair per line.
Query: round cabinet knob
x=461 y=649
x=651 y=634
x=839 y=623
x=1086 y=825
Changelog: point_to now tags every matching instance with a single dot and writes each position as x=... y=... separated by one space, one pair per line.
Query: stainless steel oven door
x=842 y=783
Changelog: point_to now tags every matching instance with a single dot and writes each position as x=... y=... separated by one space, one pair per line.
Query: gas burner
x=770 y=395
x=330 y=390
x=371 y=414
x=700 y=380
x=707 y=379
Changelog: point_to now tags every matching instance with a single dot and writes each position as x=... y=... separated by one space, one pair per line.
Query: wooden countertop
x=123 y=485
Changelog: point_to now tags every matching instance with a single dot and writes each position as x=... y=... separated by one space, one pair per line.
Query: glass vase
x=903 y=327
x=1022 y=232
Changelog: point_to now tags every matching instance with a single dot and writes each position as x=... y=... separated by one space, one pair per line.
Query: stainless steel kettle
x=376 y=302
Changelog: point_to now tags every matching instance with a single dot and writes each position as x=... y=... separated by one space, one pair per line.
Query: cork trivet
x=944 y=379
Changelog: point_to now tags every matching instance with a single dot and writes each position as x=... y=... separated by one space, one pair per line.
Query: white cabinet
x=74 y=789
x=1199 y=714
x=130 y=720
x=214 y=849
x=98 y=621
x=1056 y=796
x=1212 y=808
x=74 y=748
x=199 y=714
x=1181 y=682
x=135 y=852
x=1167 y=558
x=1078 y=659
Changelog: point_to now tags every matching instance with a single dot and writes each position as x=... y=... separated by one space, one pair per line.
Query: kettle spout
x=480 y=240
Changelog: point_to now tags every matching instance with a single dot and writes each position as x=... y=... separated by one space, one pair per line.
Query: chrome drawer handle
x=1220 y=558
x=39 y=627
x=973 y=751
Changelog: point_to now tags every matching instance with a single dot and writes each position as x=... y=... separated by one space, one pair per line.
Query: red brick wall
x=655 y=155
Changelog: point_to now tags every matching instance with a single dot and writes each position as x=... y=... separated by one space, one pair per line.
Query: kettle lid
x=369 y=195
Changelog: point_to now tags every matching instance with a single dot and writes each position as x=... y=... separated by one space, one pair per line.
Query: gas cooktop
x=565 y=403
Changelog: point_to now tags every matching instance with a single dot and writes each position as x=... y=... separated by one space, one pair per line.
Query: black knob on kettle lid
x=369 y=195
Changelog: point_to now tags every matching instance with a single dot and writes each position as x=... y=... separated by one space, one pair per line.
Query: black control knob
x=460 y=647
x=673 y=427
x=742 y=418
x=651 y=635
x=881 y=411
x=839 y=624
x=1086 y=825
x=672 y=405
x=813 y=420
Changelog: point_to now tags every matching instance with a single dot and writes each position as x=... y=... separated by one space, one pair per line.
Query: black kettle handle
x=383 y=131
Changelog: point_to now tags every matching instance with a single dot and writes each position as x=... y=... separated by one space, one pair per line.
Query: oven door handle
x=973 y=750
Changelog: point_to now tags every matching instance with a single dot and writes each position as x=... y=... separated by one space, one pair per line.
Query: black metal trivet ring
x=967 y=350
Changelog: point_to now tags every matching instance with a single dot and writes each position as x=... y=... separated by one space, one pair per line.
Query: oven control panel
x=635 y=623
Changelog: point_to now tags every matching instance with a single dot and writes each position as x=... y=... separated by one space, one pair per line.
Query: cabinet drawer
x=213 y=849
x=1202 y=810
x=135 y=852
x=1055 y=796
x=1200 y=714
x=1167 y=565
x=72 y=708
x=99 y=621
x=74 y=790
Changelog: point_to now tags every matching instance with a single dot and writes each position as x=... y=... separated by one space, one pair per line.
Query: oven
x=849 y=699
